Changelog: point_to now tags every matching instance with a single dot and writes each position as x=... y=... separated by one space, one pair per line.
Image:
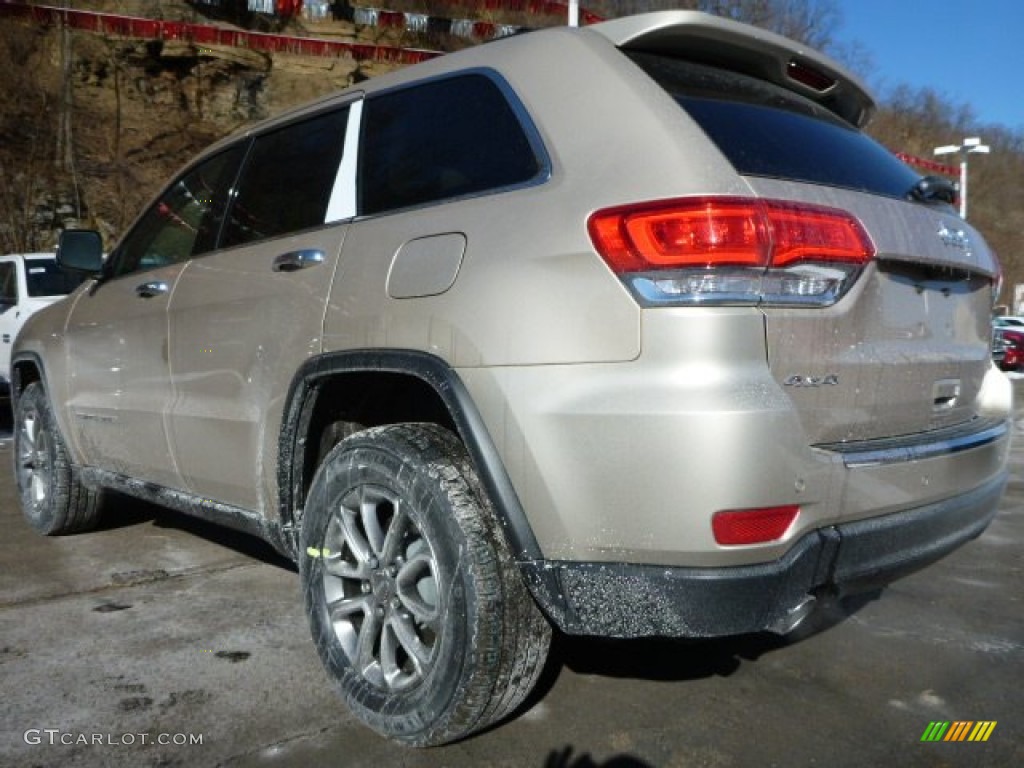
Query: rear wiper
x=933 y=189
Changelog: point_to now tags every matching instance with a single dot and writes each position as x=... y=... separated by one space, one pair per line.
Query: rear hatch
x=906 y=350
x=887 y=335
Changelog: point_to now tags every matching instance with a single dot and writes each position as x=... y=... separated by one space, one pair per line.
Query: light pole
x=972 y=144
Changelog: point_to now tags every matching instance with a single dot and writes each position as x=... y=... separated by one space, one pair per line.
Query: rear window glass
x=45 y=278
x=765 y=130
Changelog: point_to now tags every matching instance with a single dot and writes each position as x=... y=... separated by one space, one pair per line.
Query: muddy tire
x=418 y=613
x=53 y=499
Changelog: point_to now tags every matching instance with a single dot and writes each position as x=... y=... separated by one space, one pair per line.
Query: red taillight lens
x=801 y=233
x=732 y=250
x=725 y=231
x=1014 y=338
x=694 y=233
x=736 y=527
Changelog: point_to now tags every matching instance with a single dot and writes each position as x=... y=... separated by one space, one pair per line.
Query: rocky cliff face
x=132 y=112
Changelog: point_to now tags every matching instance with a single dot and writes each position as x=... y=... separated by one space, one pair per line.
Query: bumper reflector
x=736 y=527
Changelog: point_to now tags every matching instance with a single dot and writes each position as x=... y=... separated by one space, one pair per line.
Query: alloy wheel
x=381 y=588
x=35 y=472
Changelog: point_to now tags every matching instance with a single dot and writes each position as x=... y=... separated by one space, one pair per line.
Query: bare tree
x=18 y=189
x=813 y=22
x=26 y=165
x=64 y=155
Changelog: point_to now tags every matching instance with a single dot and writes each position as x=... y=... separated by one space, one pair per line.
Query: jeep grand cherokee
x=626 y=330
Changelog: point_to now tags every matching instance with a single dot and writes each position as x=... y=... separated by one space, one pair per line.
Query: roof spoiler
x=708 y=39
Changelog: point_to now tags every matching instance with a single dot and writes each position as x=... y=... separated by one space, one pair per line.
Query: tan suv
x=625 y=330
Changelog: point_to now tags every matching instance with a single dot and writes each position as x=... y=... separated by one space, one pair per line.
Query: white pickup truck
x=28 y=282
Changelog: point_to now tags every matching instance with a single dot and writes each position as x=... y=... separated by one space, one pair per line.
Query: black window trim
x=250 y=141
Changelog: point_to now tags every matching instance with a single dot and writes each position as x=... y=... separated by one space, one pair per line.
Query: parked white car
x=28 y=282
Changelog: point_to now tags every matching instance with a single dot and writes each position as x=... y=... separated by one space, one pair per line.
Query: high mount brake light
x=809 y=76
x=732 y=250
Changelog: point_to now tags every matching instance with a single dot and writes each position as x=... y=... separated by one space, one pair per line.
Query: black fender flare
x=17 y=385
x=445 y=382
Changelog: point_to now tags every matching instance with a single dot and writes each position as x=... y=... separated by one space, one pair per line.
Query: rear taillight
x=729 y=250
x=736 y=527
x=1013 y=338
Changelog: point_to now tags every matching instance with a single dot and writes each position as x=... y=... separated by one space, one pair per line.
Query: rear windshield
x=765 y=130
x=45 y=278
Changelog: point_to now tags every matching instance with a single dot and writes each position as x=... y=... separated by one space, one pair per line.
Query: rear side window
x=442 y=139
x=287 y=180
x=765 y=130
x=46 y=278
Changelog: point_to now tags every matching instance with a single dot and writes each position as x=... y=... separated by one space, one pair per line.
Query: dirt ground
x=162 y=641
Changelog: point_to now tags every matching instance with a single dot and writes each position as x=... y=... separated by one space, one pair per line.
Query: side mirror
x=80 y=250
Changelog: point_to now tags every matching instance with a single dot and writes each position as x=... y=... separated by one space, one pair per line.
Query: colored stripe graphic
x=960 y=730
x=982 y=730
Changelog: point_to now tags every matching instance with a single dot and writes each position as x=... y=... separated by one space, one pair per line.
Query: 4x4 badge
x=828 y=380
x=954 y=238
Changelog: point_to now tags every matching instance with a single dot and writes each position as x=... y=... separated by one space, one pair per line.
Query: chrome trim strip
x=871 y=453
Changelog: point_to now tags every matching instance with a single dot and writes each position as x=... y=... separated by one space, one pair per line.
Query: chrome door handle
x=151 y=289
x=296 y=260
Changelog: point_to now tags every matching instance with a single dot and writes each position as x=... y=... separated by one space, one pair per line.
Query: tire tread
x=73 y=507
x=511 y=639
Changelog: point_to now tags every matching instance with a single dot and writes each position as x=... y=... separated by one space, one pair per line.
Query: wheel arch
x=373 y=387
x=28 y=367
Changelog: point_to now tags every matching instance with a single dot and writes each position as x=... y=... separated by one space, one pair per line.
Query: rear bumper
x=624 y=600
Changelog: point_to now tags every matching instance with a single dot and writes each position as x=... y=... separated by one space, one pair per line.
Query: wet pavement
x=163 y=641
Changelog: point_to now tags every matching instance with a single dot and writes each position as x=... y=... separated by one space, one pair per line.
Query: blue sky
x=969 y=51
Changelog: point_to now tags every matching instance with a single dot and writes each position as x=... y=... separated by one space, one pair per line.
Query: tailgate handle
x=945 y=394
